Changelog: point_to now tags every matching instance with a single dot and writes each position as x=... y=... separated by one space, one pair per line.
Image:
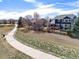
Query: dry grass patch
x=49 y=43
x=6 y=51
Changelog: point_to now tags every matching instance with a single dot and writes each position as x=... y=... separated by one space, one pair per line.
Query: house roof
x=66 y=15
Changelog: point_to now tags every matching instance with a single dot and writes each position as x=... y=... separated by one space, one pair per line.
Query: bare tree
x=36 y=16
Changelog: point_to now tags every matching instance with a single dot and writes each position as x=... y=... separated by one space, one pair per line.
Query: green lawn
x=6 y=51
x=47 y=43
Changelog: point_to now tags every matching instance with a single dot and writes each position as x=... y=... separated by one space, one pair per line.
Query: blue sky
x=16 y=8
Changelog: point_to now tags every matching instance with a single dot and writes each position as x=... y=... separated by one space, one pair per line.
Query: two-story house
x=65 y=22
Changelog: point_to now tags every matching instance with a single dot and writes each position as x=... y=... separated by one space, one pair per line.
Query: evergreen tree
x=76 y=28
x=20 y=22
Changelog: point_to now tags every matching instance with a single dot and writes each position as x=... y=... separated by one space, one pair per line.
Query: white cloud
x=73 y=4
x=38 y=4
x=34 y=2
x=44 y=10
x=41 y=11
x=41 y=8
x=41 y=5
x=31 y=1
x=74 y=11
x=7 y=15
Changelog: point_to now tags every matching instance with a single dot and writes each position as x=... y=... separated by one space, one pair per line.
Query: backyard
x=59 y=45
x=6 y=51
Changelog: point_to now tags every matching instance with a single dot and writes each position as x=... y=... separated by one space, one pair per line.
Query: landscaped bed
x=47 y=43
x=6 y=51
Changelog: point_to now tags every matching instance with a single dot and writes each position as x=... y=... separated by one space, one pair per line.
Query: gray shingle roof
x=65 y=15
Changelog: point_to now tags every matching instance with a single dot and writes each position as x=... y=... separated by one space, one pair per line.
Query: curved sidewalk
x=34 y=53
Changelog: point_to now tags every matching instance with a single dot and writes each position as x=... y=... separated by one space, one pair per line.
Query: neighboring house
x=9 y=21
x=65 y=22
x=1 y=22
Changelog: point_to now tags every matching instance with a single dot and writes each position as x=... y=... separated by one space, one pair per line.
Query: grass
x=6 y=51
x=47 y=43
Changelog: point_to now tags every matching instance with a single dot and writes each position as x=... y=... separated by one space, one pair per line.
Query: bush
x=69 y=33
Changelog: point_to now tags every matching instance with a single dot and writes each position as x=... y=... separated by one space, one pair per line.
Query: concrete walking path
x=34 y=53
